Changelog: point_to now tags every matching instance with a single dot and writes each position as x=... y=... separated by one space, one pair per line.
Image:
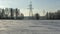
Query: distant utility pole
x=30 y=8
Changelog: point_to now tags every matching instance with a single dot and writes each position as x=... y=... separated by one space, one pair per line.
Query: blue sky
x=38 y=5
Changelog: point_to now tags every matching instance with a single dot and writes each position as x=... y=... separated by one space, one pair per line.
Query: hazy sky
x=39 y=5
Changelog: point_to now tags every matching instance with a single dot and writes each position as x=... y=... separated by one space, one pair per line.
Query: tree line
x=10 y=13
x=53 y=16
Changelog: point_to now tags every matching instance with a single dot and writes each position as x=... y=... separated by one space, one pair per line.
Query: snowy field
x=29 y=26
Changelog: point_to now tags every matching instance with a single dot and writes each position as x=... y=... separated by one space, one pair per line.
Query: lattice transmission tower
x=30 y=9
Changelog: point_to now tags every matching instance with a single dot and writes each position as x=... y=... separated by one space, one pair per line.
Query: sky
x=40 y=6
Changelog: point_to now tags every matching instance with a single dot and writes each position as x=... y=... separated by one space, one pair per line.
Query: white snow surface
x=29 y=26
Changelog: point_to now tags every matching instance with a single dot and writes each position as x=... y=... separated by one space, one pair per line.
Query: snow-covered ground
x=29 y=26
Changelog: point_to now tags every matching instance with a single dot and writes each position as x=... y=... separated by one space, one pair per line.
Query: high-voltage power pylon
x=30 y=8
